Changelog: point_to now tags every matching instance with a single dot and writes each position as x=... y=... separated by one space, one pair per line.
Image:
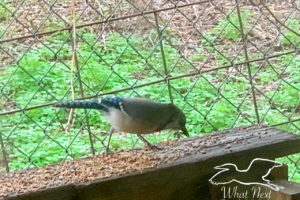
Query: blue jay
x=134 y=115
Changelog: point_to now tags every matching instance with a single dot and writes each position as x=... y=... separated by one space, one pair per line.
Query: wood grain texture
x=185 y=178
x=290 y=190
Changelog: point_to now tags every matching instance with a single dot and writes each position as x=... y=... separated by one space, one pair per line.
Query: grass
x=4 y=8
x=213 y=100
x=289 y=37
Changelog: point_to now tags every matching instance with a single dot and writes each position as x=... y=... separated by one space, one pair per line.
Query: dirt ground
x=186 y=24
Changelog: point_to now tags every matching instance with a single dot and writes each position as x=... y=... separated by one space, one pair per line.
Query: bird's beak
x=184 y=131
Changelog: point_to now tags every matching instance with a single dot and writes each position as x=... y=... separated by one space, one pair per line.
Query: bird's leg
x=177 y=134
x=144 y=140
x=147 y=142
x=111 y=131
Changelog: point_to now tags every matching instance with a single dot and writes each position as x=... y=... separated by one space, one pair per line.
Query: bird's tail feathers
x=87 y=104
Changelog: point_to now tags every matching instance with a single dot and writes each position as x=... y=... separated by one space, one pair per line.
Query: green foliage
x=4 y=10
x=229 y=28
x=289 y=37
x=288 y=95
x=226 y=29
x=43 y=75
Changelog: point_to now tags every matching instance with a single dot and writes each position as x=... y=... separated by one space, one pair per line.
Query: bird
x=134 y=115
x=256 y=173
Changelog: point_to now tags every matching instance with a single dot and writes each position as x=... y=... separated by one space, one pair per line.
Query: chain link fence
x=226 y=63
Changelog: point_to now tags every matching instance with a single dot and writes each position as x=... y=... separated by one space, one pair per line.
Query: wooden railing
x=180 y=169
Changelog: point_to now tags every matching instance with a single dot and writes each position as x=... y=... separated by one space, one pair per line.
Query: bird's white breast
x=123 y=123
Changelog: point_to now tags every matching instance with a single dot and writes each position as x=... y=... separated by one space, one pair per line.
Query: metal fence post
x=244 y=39
x=163 y=57
x=4 y=153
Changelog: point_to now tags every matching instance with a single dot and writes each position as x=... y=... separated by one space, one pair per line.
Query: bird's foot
x=103 y=133
x=153 y=147
x=108 y=152
x=177 y=134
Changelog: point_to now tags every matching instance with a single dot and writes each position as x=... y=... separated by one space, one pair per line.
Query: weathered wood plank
x=290 y=191
x=186 y=177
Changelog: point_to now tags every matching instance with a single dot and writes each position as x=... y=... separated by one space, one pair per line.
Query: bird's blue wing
x=114 y=102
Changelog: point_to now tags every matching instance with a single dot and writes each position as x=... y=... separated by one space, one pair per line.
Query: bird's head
x=178 y=120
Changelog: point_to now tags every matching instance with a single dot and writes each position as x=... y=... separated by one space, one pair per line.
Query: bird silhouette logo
x=255 y=174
